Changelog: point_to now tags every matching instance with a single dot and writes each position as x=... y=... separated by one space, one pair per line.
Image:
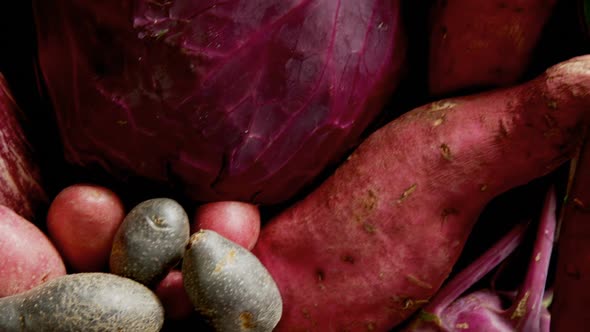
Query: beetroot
x=20 y=178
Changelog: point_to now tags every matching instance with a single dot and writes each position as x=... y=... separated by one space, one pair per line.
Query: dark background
x=564 y=36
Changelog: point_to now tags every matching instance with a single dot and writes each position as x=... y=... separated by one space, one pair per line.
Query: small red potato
x=237 y=221
x=171 y=292
x=82 y=221
x=27 y=256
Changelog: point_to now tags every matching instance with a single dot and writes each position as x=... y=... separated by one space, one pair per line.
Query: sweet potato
x=27 y=257
x=482 y=43
x=572 y=294
x=376 y=240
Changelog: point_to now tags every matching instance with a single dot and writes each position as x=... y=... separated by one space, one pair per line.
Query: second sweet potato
x=482 y=43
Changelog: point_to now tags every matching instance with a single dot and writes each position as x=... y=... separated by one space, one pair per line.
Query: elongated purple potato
x=83 y=302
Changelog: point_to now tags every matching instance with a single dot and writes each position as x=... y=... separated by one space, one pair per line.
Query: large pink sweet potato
x=377 y=239
x=483 y=43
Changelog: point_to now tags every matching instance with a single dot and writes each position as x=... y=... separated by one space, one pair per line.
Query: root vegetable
x=21 y=186
x=150 y=241
x=229 y=286
x=82 y=221
x=83 y=302
x=237 y=221
x=376 y=240
x=173 y=296
x=482 y=43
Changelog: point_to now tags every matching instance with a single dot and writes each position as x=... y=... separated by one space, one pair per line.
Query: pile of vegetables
x=297 y=165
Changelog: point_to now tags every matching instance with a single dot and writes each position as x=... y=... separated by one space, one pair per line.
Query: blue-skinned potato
x=89 y=302
x=229 y=286
x=150 y=241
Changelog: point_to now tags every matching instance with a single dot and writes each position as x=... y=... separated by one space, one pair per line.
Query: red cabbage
x=20 y=177
x=238 y=99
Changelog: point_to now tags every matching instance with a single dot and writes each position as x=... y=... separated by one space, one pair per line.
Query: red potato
x=82 y=221
x=376 y=240
x=482 y=43
x=572 y=294
x=171 y=292
x=236 y=221
x=27 y=257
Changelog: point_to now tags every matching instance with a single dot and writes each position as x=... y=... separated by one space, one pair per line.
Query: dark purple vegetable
x=572 y=276
x=236 y=100
x=470 y=41
x=483 y=310
x=20 y=178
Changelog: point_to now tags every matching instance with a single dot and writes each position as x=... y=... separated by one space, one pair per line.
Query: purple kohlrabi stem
x=525 y=312
x=476 y=270
x=545 y=314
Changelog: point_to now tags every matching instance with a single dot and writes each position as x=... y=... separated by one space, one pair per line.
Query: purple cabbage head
x=236 y=99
